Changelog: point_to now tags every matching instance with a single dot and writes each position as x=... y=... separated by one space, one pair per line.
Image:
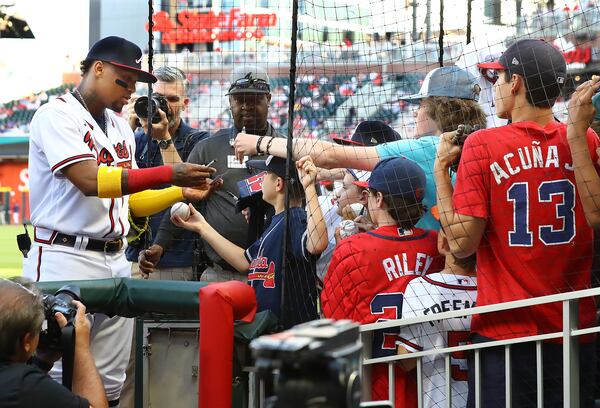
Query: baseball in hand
x=182 y=210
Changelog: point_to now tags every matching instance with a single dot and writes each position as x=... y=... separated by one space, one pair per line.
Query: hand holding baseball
x=195 y=221
x=182 y=210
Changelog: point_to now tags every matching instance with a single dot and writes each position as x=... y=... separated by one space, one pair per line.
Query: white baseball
x=182 y=210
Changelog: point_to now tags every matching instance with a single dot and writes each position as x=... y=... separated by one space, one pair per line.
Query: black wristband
x=41 y=364
x=269 y=144
x=258 y=142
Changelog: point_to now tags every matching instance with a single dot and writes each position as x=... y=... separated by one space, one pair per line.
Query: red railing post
x=220 y=305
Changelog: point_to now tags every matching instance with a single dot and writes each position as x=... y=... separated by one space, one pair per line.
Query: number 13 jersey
x=537 y=241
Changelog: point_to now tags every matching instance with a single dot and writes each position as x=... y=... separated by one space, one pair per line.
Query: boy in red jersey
x=369 y=272
x=515 y=204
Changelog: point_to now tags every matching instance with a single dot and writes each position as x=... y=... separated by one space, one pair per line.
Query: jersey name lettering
x=447 y=306
x=526 y=158
x=398 y=266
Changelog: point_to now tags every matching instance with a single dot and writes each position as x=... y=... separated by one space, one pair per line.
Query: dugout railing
x=569 y=337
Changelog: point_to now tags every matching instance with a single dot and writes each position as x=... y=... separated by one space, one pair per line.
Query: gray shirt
x=219 y=208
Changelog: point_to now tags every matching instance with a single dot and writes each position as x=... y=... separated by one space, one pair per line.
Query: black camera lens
x=156 y=102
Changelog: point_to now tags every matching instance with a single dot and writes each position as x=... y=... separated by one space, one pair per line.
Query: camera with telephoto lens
x=50 y=336
x=156 y=101
x=316 y=364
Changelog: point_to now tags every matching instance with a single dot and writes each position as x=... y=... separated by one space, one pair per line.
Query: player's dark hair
x=448 y=113
x=405 y=212
x=85 y=65
x=537 y=97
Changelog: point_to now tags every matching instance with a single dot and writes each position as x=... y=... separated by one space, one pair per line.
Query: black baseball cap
x=275 y=165
x=541 y=65
x=370 y=133
x=121 y=53
x=397 y=176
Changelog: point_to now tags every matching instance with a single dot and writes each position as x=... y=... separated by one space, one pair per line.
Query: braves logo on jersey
x=262 y=270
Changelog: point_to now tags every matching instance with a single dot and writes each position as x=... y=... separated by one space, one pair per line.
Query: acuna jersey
x=63 y=132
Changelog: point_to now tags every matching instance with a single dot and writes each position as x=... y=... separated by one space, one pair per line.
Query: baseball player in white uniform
x=454 y=288
x=82 y=170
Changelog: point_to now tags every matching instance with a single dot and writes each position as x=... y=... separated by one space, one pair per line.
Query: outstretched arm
x=324 y=154
x=112 y=182
x=231 y=253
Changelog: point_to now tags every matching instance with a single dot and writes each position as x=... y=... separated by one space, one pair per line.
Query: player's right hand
x=191 y=175
x=148 y=259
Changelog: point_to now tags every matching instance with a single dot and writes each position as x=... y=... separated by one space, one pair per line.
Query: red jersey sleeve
x=471 y=192
x=337 y=297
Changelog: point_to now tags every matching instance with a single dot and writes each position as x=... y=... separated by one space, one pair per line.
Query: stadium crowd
x=465 y=213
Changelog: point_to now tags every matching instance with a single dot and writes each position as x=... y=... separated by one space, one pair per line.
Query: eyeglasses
x=254 y=83
x=491 y=75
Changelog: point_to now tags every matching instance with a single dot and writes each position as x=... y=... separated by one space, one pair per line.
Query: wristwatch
x=165 y=143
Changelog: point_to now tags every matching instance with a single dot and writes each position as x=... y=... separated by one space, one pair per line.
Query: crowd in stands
x=317 y=100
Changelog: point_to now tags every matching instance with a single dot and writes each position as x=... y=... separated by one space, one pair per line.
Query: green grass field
x=10 y=256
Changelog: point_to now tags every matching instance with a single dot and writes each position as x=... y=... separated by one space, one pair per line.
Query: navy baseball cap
x=397 y=176
x=451 y=82
x=275 y=165
x=370 y=133
x=121 y=53
x=543 y=67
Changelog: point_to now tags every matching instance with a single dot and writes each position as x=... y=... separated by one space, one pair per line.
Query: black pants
x=524 y=383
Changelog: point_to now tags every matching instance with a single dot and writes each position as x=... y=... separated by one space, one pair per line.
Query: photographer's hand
x=132 y=117
x=49 y=356
x=160 y=130
x=86 y=380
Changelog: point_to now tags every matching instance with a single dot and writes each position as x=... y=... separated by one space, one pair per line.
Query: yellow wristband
x=109 y=182
x=150 y=202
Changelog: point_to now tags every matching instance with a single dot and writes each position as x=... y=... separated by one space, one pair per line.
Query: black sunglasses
x=254 y=83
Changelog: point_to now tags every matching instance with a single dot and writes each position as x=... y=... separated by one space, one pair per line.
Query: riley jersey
x=366 y=281
x=63 y=132
x=537 y=241
x=436 y=293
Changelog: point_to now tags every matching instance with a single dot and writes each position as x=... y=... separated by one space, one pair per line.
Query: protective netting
x=361 y=96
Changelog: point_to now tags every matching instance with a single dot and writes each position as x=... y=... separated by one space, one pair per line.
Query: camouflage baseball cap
x=249 y=80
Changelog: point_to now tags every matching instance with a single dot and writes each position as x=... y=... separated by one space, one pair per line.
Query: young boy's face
x=347 y=194
x=269 y=187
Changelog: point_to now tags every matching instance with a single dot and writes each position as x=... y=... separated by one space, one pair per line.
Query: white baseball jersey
x=480 y=50
x=63 y=132
x=436 y=293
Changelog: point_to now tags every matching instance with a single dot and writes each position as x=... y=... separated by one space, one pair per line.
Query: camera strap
x=67 y=340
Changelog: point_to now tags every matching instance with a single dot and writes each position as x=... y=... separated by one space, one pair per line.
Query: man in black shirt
x=23 y=370
x=249 y=99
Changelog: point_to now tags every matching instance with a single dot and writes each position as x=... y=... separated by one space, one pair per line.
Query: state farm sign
x=191 y=26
